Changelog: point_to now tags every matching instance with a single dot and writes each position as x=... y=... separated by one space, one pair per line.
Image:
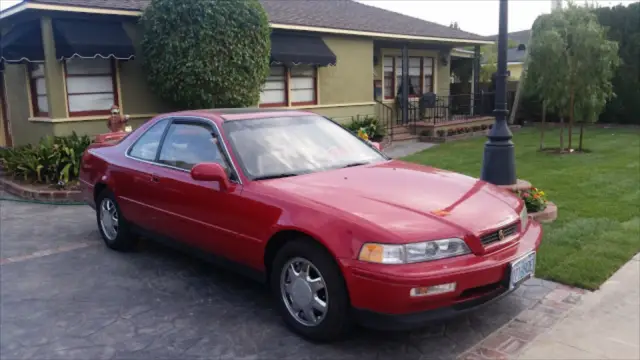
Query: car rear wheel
x=310 y=291
x=114 y=229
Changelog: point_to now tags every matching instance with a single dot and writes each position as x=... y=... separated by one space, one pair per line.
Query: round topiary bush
x=206 y=53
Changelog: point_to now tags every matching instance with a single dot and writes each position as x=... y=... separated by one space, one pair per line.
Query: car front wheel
x=310 y=292
x=113 y=227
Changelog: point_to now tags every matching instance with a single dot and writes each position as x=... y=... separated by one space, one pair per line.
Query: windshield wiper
x=275 y=176
x=355 y=164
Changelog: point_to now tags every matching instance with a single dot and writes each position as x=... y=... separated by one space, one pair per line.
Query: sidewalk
x=606 y=325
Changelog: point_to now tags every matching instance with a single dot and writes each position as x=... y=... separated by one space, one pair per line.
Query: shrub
x=534 y=199
x=484 y=126
x=451 y=131
x=426 y=132
x=205 y=54
x=369 y=124
x=55 y=160
x=441 y=133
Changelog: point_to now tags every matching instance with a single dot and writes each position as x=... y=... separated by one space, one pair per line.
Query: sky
x=476 y=16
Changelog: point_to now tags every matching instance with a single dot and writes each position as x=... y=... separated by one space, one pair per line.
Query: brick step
x=396 y=130
x=403 y=137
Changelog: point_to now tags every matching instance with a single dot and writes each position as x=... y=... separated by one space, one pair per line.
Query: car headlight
x=524 y=218
x=414 y=252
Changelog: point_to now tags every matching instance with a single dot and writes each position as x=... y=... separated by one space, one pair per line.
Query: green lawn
x=597 y=193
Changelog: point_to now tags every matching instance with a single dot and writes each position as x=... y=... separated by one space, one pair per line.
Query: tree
x=205 y=54
x=571 y=64
x=623 y=24
x=548 y=86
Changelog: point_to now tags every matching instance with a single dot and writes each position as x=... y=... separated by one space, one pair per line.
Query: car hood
x=411 y=201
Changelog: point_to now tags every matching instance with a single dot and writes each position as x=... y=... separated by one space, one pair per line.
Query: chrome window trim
x=177 y=117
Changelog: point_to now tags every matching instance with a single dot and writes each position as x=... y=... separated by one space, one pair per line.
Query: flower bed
x=534 y=199
x=47 y=171
x=54 y=161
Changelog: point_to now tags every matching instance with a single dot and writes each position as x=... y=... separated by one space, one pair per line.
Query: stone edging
x=509 y=341
x=549 y=214
x=28 y=193
x=469 y=135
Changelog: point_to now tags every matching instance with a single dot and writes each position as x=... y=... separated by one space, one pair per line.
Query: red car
x=342 y=234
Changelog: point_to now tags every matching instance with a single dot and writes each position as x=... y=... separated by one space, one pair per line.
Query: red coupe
x=342 y=234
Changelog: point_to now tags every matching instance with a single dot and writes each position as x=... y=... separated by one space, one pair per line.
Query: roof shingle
x=335 y=14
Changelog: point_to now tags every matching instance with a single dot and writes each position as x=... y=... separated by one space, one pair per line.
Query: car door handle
x=155 y=178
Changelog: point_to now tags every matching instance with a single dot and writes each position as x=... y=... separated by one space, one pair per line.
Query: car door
x=137 y=188
x=194 y=212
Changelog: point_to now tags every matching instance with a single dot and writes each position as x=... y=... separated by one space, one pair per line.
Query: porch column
x=54 y=75
x=405 y=84
x=475 y=85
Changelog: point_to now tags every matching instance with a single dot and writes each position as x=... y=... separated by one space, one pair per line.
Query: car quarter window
x=146 y=147
x=187 y=144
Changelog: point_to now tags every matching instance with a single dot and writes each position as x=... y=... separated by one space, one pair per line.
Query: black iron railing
x=386 y=117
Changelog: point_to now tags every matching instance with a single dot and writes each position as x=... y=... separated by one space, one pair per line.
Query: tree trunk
x=544 y=117
x=571 y=114
x=581 y=133
x=561 y=133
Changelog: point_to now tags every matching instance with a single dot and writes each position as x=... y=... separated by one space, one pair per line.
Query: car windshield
x=288 y=146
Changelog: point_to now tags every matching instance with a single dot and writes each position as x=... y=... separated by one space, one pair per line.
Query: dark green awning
x=294 y=49
x=22 y=43
x=92 y=39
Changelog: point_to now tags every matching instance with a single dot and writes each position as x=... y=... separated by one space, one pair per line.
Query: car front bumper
x=380 y=294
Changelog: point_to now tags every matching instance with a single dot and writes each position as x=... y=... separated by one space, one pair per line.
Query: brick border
x=469 y=135
x=509 y=341
x=28 y=193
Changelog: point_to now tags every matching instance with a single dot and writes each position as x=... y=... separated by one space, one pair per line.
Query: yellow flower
x=541 y=193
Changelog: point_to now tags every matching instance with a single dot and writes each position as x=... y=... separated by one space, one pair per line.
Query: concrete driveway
x=65 y=296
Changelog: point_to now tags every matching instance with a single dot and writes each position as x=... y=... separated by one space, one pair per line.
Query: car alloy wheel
x=109 y=219
x=304 y=292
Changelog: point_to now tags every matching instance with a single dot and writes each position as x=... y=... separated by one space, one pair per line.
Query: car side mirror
x=211 y=172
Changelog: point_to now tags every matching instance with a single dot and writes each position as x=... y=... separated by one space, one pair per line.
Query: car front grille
x=508 y=230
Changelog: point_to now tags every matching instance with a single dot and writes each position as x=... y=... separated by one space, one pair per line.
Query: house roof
x=521 y=37
x=345 y=15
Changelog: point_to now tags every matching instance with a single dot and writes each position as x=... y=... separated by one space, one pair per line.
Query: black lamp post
x=499 y=163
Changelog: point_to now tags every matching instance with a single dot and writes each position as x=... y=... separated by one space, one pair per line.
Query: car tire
x=337 y=320
x=114 y=229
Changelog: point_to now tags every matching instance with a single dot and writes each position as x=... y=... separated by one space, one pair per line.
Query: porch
x=434 y=112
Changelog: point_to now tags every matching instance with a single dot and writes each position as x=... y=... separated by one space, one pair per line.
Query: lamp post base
x=499 y=163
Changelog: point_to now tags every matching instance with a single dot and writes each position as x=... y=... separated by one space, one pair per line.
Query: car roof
x=232 y=114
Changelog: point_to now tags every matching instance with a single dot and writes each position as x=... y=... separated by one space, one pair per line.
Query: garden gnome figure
x=116 y=122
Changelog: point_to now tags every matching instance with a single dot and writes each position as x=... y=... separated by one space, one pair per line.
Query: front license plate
x=522 y=269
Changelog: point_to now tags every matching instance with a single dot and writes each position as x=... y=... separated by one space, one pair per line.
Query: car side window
x=188 y=144
x=146 y=147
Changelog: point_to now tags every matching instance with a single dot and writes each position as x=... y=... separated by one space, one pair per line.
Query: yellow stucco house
x=66 y=62
x=517 y=54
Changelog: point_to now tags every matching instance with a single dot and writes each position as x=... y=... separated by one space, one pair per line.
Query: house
x=66 y=62
x=516 y=54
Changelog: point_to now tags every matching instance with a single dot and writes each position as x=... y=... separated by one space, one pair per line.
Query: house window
x=300 y=82
x=91 y=86
x=389 y=78
x=274 y=92
x=420 y=75
x=303 y=85
x=38 y=90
